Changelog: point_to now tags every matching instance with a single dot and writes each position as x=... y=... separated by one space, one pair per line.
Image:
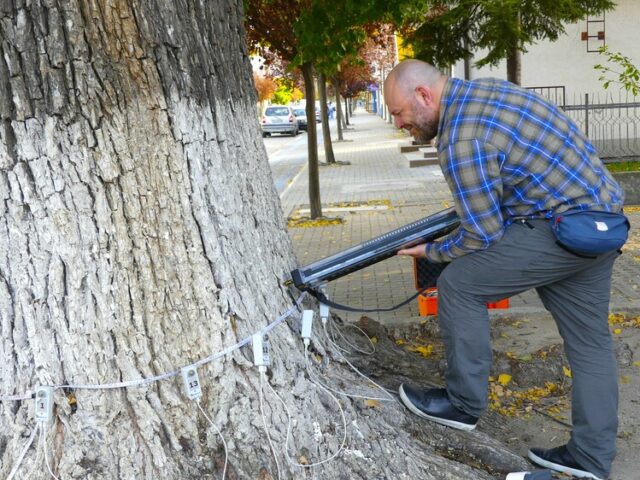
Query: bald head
x=412 y=91
x=410 y=74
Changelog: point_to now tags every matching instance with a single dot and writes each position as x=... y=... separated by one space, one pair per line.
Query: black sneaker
x=560 y=460
x=434 y=404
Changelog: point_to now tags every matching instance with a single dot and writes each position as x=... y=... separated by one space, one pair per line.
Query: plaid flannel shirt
x=508 y=153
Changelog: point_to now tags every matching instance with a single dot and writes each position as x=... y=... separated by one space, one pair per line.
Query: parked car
x=301 y=115
x=279 y=119
x=318 y=117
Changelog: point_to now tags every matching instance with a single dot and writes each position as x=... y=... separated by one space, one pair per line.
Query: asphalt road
x=288 y=156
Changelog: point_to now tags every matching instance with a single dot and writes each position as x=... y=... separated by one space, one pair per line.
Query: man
x=511 y=160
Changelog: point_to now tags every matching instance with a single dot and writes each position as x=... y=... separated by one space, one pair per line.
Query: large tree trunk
x=139 y=233
x=324 y=114
x=315 y=204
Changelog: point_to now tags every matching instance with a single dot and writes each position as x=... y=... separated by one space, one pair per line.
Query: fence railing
x=612 y=125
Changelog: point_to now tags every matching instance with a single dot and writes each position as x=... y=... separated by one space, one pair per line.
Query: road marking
x=294 y=179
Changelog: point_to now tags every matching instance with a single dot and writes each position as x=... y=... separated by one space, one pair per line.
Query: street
x=288 y=156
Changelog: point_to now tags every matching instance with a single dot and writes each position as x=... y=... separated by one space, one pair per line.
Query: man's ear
x=424 y=95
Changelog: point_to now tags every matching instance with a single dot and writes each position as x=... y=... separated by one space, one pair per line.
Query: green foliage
x=455 y=29
x=624 y=71
x=282 y=96
x=623 y=166
x=330 y=31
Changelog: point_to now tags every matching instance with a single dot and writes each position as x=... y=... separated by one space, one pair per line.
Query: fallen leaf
x=504 y=379
x=567 y=371
x=424 y=350
x=370 y=403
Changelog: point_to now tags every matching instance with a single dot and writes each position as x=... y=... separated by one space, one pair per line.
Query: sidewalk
x=380 y=174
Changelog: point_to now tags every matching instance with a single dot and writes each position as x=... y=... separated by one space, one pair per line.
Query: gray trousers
x=574 y=290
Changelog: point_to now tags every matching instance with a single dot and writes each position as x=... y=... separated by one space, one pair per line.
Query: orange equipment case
x=426 y=276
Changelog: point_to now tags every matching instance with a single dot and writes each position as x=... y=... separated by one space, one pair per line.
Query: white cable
x=264 y=421
x=16 y=398
x=43 y=434
x=333 y=340
x=316 y=380
x=348 y=342
x=355 y=369
x=36 y=461
x=224 y=443
x=286 y=446
x=16 y=467
x=164 y=376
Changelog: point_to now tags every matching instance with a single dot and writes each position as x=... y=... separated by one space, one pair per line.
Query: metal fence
x=610 y=121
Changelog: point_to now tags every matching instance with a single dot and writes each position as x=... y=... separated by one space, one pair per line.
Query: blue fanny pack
x=589 y=232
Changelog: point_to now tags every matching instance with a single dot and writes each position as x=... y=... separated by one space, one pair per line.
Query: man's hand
x=416 y=252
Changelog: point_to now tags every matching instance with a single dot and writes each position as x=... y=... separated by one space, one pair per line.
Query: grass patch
x=633 y=166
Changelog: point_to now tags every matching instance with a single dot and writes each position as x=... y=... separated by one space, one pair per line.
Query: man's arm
x=472 y=170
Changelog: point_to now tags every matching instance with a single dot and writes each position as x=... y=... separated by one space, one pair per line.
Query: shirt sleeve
x=472 y=171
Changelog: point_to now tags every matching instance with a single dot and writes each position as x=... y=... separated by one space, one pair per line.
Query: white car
x=279 y=119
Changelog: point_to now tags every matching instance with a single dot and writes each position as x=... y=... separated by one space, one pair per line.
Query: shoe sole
x=561 y=468
x=442 y=421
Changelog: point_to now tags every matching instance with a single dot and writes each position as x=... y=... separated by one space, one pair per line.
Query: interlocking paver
x=378 y=171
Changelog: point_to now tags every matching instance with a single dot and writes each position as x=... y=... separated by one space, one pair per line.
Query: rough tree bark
x=324 y=114
x=140 y=232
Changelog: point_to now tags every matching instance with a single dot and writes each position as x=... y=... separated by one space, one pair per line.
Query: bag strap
x=321 y=297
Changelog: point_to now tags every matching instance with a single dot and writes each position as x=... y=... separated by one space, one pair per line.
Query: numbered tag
x=191 y=382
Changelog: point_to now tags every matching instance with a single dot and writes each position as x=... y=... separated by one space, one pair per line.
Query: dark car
x=301 y=115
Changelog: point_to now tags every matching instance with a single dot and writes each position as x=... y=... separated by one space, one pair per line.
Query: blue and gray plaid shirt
x=508 y=153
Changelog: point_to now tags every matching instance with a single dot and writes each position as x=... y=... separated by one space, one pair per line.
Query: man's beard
x=425 y=126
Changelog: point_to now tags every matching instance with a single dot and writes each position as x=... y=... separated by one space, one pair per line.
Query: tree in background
x=620 y=70
x=353 y=78
x=271 y=34
x=265 y=88
x=284 y=92
x=455 y=29
x=296 y=95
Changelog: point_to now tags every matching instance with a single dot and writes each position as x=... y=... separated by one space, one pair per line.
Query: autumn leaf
x=371 y=403
x=504 y=379
x=424 y=350
x=567 y=371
